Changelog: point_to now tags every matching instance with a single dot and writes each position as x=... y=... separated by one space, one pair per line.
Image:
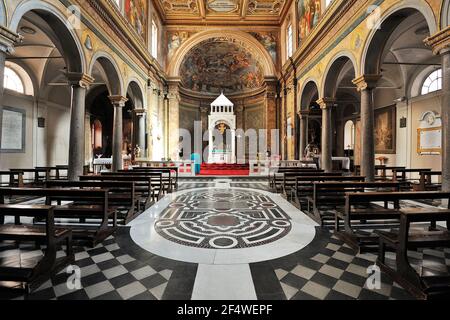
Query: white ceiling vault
x=222 y=11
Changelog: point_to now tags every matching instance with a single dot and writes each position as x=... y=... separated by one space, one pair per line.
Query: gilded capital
x=80 y=79
x=326 y=103
x=118 y=101
x=440 y=41
x=367 y=81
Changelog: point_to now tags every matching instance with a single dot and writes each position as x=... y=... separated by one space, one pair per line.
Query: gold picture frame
x=421 y=149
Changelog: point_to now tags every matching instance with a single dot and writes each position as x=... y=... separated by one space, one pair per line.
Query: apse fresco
x=309 y=12
x=216 y=64
x=136 y=14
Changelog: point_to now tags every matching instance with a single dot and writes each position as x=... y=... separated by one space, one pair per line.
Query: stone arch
x=71 y=47
x=112 y=74
x=445 y=14
x=136 y=92
x=371 y=57
x=309 y=88
x=333 y=72
x=177 y=60
x=3 y=17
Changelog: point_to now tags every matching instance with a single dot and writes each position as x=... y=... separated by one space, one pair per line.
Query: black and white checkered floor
x=118 y=269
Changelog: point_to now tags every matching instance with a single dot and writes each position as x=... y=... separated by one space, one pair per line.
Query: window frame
x=18 y=77
x=438 y=79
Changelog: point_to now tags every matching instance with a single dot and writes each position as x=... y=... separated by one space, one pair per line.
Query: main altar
x=222 y=131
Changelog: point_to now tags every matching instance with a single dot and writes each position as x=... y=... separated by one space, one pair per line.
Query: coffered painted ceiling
x=222 y=11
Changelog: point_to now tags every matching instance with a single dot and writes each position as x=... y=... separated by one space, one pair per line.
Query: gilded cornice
x=439 y=41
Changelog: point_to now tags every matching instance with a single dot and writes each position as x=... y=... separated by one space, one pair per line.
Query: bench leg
x=336 y=223
x=382 y=252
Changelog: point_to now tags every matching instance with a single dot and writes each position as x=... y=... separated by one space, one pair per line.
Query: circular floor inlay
x=223 y=220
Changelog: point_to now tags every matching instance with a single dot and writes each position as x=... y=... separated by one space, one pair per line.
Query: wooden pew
x=144 y=190
x=429 y=284
x=331 y=195
x=304 y=187
x=366 y=207
x=33 y=272
x=15 y=179
x=165 y=170
x=400 y=174
x=289 y=179
x=160 y=184
x=426 y=181
x=82 y=205
x=122 y=195
x=38 y=179
x=275 y=173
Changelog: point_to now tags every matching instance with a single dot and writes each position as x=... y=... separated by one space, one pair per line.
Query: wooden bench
x=37 y=178
x=366 y=206
x=331 y=195
x=289 y=180
x=144 y=190
x=15 y=179
x=304 y=187
x=426 y=181
x=82 y=205
x=165 y=170
x=276 y=173
x=428 y=284
x=33 y=272
x=401 y=174
x=160 y=184
x=122 y=195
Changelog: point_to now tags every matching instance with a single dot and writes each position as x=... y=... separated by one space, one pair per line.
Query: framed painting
x=385 y=130
x=12 y=130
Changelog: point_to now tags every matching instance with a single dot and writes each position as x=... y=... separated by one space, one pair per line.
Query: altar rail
x=186 y=168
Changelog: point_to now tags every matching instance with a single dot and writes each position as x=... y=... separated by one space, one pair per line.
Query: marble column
x=445 y=117
x=365 y=85
x=118 y=103
x=140 y=119
x=326 y=104
x=440 y=44
x=2 y=75
x=271 y=113
x=303 y=115
x=173 y=119
x=284 y=135
x=80 y=84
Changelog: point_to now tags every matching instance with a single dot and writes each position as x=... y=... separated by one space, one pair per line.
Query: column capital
x=367 y=81
x=439 y=42
x=140 y=112
x=118 y=101
x=80 y=79
x=7 y=40
x=303 y=114
x=326 y=103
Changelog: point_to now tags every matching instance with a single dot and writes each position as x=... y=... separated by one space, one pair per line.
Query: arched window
x=12 y=81
x=349 y=135
x=433 y=82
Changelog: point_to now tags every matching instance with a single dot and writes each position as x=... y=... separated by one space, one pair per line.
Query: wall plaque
x=12 y=130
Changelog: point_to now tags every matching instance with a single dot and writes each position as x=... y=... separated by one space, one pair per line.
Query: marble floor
x=227 y=239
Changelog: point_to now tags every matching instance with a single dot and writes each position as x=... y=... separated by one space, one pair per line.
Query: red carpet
x=225 y=170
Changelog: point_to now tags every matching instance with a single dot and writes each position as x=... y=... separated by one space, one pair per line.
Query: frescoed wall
x=309 y=12
x=219 y=64
x=269 y=41
x=136 y=11
x=174 y=41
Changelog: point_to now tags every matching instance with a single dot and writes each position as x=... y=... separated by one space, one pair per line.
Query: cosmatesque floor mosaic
x=221 y=216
